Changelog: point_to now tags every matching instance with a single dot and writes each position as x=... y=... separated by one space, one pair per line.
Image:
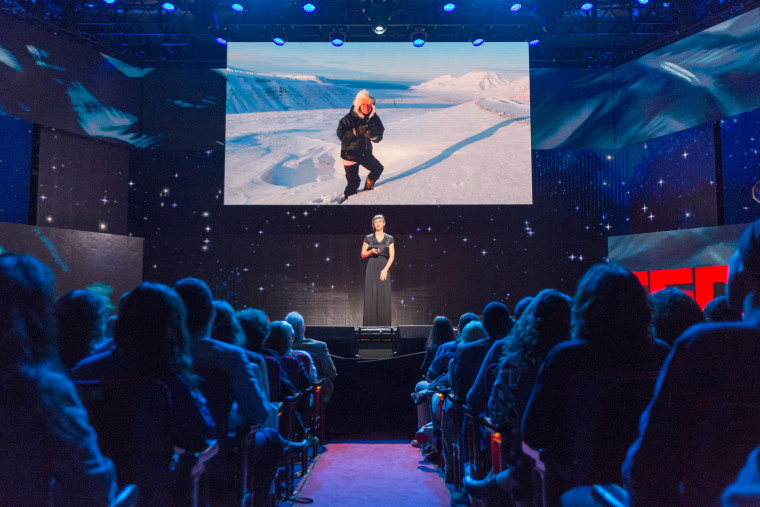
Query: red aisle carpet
x=370 y=473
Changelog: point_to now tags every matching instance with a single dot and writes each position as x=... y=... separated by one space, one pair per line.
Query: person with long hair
x=379 y=250
x=441 y=332
x=544 y=323
x=152 y=342
x=81 y=318
x=49 y=452
x=610 y=330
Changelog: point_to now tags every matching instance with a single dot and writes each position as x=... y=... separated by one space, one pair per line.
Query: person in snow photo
x=357 y=131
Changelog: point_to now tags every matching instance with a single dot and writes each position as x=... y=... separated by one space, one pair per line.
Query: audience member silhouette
x=477 y=397
x=441 y=332
x=80 y=316
x=718 y=310
x=151 y=342
x=673 y=312
x=469 y=357
x=745 y=491
x=253 y=406
x=227 y=329
x=718 y=361
x=252 y=403
x=465 y=319
x=521 y=306
x=280 y=341
x=256 y=326
x=463 y=371
x=445 y=353
x=111 y=321
x=49 y=452
x=542 y=325
x=610 y=330
x=318 y=351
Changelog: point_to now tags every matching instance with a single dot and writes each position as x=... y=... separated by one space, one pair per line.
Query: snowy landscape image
x=456 y=117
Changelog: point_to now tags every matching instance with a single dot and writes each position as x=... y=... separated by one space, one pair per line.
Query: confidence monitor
x=456 y=122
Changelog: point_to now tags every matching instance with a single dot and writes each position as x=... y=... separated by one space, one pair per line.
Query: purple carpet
x=369 y=473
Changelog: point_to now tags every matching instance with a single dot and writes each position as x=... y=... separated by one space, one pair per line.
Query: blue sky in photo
x=390 y=61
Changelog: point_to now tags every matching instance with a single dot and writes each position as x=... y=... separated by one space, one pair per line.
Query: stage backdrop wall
x=50 y=80
x=700 y=79
x=15 y=169
x=105 y=263
x=451 y=259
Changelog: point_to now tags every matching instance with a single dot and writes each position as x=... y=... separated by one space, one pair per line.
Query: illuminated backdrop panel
x=456 y=117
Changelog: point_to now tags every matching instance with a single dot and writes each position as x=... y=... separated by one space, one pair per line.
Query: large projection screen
x=456 y=118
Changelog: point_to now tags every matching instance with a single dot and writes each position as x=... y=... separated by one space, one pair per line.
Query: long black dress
x=377 y=294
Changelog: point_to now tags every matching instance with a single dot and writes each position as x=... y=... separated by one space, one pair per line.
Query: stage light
x=419 y=37
x=109 y=2
x=309 y=7
x=515 y=8
x=587 y=6
x=237 y=7
x=168 y=7
x=449 y=7
x=221 y=41
x=642 y=2
x=478 y=41
x=278 y=41
x=534 y=42
x=337 y=37
x=379 y=15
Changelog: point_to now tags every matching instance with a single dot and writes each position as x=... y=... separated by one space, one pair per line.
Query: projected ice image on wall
x=456 y=117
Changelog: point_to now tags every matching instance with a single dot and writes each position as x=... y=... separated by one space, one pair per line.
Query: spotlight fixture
x=309 y=7
x=516 y=8
x=219 y=34
x=642 y=2
x=236 y=7
x=419 y=37
x=449 y=7
x=477 y=38
x=337 y=37
x=168 y=7
x=109 y=2
x=379 y=14
x=279 y=38
x=587 y=6
x=534 y=41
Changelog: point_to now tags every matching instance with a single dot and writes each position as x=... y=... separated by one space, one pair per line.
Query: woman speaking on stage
x=379 y=251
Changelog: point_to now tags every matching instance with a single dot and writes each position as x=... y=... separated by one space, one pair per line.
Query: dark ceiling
x=610 y=33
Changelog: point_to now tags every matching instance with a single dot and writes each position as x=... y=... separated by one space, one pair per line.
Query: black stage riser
x=349 y=341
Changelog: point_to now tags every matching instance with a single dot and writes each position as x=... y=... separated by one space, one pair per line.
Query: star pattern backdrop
x=740 y=156
x=450 y=259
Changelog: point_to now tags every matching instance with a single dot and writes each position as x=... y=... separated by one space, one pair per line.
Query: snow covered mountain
x=250 y=92
x=476 y=85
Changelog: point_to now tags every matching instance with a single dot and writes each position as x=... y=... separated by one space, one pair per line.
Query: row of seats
x=132 y=420
x=594 y=399
x=178 y=418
